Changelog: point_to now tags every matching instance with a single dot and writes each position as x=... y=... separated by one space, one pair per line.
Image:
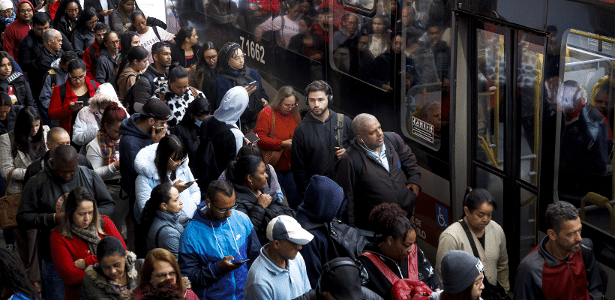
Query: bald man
x=42 y=198
x=55 y=136
x=374 y=170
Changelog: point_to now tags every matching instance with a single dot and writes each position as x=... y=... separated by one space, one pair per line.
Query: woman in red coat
x=74 y=241
x=275 y=126
x=78 y=87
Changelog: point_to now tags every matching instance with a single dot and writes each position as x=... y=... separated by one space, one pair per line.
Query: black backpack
x=347 y=241
x=129 y=98
x=207 y=169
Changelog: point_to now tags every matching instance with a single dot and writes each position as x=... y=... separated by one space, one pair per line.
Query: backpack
x=63 y=89
x=255 y=105
x=356 y=157
x=129 y=98
x=207 y=169
x=347 y=241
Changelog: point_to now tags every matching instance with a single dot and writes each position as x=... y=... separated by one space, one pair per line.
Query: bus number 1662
x=253 y=49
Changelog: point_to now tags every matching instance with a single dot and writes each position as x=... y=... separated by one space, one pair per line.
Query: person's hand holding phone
x=181 y=186
x=250 y=89
x=76 y=105
x=158 y=132
x=226 y=265
x=107 y=12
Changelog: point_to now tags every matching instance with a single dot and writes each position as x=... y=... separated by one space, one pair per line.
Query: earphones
x=328 y=90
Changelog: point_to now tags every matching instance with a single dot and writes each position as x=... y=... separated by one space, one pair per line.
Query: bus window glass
x=583 y=99
x=491 y=87
x=529 y=86
x=527 y=221
x=365 y=5
x=278 y=22
x=222 y=20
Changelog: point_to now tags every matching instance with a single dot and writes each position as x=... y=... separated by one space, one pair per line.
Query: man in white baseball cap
x=279 y=271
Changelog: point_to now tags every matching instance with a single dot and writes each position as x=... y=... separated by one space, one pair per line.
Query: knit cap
x=459 y=270
x=5 y=4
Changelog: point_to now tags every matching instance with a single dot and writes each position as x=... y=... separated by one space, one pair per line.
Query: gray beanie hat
x=459 y=270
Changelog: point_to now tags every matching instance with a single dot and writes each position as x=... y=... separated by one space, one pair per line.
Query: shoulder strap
x=62 y=92
x=309 y=225
x=93 y=54
x=467 y=230
x=149 y=77
x=393 y=139
x=381 y=266
x=340 y=127
x=158 y=233
x=272 y=129
x=413 y=270
x=156 y=32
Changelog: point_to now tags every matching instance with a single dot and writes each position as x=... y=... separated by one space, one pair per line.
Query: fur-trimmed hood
x=96 y=286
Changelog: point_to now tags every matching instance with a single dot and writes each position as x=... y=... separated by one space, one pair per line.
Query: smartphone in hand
x=252 y=137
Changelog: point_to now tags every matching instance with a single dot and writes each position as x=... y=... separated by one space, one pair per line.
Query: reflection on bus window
x=491 y=86
x=282 y=27
x=222 y=16
x=585 y=103
x=366 y=5
x=529 y=86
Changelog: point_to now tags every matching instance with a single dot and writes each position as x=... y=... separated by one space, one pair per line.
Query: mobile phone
x=239 y=262
x=253 y=83
x=79 y=102
x=252 y=137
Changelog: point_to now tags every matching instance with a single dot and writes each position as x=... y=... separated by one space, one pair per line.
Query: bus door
x=505 y=66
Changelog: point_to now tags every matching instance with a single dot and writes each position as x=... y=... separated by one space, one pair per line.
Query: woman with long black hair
x=65 y=19
x=186 y=49
x=13 y=282
x=131 y=65
x=203 y=73
x=84 y=35
x=18 y=149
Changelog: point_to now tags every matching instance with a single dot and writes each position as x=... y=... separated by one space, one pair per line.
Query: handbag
x=491 y=292
x=271 y=157
x=403 y=288
x=8 y=206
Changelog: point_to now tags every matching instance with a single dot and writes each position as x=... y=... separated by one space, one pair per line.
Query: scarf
x=108 y=147
x=88 y=235
x=8 y=20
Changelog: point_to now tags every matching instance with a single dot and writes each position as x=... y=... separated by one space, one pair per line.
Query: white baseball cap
x=287 y=228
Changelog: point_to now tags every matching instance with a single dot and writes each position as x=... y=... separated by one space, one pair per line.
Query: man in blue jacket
x=216 y=244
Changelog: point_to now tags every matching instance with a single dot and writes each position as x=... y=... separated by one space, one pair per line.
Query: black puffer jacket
x=21 y=88
x=260 y=217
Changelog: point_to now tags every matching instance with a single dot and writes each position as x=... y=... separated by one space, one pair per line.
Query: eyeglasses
x=76 y=78
x=479 y=281
x=211 y=57
x=290 y=105
x=225 y=210
x=239 y=57
x=164 y=275
x=179 y=162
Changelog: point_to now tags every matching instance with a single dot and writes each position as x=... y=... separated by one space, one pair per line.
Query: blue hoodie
x=133 y=140
x=204 y=242
x=324 y=201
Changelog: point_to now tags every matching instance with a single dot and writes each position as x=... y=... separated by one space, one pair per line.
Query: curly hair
x=559 y=212
x=389 y=219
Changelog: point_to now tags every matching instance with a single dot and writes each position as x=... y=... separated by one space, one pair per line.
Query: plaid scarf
x=108 y=147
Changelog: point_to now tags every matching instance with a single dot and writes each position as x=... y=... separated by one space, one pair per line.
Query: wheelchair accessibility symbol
x=441 y=216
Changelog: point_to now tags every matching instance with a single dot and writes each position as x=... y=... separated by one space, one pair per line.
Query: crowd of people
x=150 y=167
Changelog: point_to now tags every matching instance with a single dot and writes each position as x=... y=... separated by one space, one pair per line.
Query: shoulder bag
x=8 y=206
x=491 y=292
x=271 y=157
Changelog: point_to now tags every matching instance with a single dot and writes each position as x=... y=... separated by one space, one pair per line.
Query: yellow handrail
x=600 y=201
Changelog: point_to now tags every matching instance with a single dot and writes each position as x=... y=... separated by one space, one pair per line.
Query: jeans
x=287 y=182
x=53 y=286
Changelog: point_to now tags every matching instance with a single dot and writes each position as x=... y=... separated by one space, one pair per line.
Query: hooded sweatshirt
x=16 y=31
x=324 y=201
x=88 y=119
x=228 y=142
x=148 y=179
x=133 y=140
